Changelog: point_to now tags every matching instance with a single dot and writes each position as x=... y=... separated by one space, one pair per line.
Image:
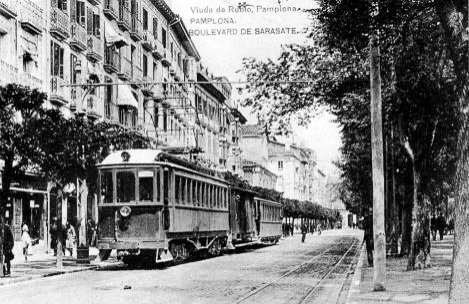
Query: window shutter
x=73 y=10
x=155 y=28
x=97 y=26
x=89 y=21
x=82 y=13
x=64 y=5
x=54 y=3
x=61 y=62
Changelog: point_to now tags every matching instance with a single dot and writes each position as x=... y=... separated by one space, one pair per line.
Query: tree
x=21 y=112
x=418 y=91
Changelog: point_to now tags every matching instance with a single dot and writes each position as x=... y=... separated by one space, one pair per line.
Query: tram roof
x=136 y=156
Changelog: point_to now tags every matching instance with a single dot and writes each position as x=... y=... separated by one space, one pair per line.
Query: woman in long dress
x=71 y=238
x=26 y=240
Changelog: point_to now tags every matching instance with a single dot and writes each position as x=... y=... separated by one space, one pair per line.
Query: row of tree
x=424 y=91
x=40 y=140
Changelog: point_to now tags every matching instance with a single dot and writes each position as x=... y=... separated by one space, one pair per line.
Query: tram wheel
x=104 y=254
x=180 y=252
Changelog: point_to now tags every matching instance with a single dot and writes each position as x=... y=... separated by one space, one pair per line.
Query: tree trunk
x=419 y=256
x=379 y=256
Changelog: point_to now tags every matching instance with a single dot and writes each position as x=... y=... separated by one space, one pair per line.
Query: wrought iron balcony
x=148 y=40
x=95 y=48
x=147 y=88
x=60 y=24
x=165 y=60
x=158 y=50
x=78 y=37
x=32 y=17
x=111 y=60
x=59 y=94
x=111 y=9
x=124 y=21
x=136 y=28
x=8 y=73
x=8 y=8
x=29 y=80
x=125 y=71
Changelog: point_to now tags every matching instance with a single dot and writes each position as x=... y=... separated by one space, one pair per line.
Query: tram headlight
x=125 y=211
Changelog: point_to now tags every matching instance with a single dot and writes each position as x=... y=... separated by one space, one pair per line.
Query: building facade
x=143 y=51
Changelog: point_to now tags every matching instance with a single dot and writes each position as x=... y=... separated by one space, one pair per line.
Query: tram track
x=326 y=272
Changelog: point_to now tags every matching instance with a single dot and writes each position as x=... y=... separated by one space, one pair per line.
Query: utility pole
x=379 y=237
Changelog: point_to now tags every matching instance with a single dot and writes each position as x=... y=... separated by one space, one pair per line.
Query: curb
x=357 y=276
x=45 y=275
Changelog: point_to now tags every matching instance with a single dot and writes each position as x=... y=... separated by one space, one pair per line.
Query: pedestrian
x=451 y=226
x=26 y=240
x=303 y=231
x=368 y=236
x=8 y=244
x=433 y=225
x=441 y=225
x=53 y=235
x=91 y=232
x=319 y=229
x=71 y=238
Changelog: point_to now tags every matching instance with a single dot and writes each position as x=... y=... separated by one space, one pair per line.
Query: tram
x=157 y=207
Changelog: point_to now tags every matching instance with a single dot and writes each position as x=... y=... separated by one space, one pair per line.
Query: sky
x=226 y=31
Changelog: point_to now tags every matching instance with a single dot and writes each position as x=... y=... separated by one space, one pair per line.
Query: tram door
x=241 y=202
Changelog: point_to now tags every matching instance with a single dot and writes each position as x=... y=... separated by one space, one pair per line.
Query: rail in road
x=322 y=273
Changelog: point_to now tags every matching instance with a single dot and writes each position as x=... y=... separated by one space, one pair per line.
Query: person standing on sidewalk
x=433 y=225
x=303 y=231
x=319 y=229
x=441 y=225
x=8 y=244
x=27 y=244
x=368 y=236
x=71 y=238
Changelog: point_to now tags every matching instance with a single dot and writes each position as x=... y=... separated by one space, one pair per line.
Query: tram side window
x=106 y=187
x=183 y=190
x=125 y=186
x=177 y=189
x=158 y=186
x=145 y=188
x=194 y=193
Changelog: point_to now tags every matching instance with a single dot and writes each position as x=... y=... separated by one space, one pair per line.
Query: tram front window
x=106 y=187
x=145 y=181
x=125 y=186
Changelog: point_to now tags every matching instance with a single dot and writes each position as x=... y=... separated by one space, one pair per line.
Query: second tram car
x=155 y=206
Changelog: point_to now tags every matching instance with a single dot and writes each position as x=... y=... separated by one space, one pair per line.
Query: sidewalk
x=428 y=286
x=42 y=264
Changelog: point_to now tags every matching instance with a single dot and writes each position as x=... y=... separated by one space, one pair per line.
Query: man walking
x=303 y=231
x=441 y=225
x=433 y=225
x=8 y=244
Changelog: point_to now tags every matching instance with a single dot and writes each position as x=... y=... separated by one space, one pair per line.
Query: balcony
x=125 y=72
x=78 y=37
x=95 y=49
x=60 y=24
x=32 y=17
x=58 y=93
x=30 y=81
x=8 y=73
x=148 y=40
x=124 y=22
x=136 y=28
x=165 y=60
x=158 y=50
x=147 y=88
x=111 y=9
x=94 y=107
x=8 y=8
x=111 y=60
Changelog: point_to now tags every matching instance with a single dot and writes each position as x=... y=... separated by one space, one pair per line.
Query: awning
x=125 y=97
x=112 y=37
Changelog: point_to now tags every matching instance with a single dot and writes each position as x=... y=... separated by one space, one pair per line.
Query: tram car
x=157 y=207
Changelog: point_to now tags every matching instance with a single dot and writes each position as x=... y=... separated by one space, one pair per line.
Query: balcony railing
x=125 y=71
x=31 y=81
x=60 y=24
x=111 y=60
x=111 y=9
x=124 y=18
x=147 y=89
x=95 y=48
x=94 y=107
x=59 y=94
x=32 y=17
x=8 y=8
x=78 y=36
x=8 y=73
x=136 y=28
x=165 y=60
x=148 y=40
x=158 y=50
